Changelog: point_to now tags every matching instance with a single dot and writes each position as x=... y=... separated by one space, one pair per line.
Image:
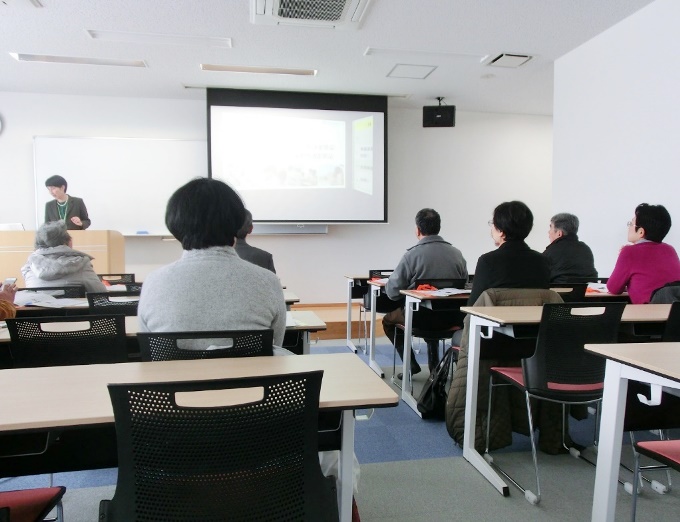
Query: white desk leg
x=609 y=445
x=305 y=342
x=375 y=292
x=469 y=451
x=350 y=341
x=412 y=305
x=346 y=467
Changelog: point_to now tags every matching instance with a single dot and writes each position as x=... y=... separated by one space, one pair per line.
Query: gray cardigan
x=212 y=289
x=431 y=257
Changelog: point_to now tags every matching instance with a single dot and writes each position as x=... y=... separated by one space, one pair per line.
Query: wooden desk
x=502 y=319
x=45 y=398
x=654 y=363
x=415 y=299
x=305 y=323
x=290 y=298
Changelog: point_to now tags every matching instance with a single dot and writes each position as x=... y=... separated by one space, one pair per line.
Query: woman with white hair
x=55 y=263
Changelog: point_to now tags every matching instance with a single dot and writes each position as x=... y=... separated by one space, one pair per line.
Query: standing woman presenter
x=66 y=208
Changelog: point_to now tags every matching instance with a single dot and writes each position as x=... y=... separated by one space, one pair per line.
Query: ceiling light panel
x=508 y=60
x=44 y=58
x=154 y=38
x=257 y=70
x=413 y=72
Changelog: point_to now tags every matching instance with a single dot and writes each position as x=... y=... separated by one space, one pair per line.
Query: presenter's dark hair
x=514 y=219
x=247 y=226
x=655 y=219
x=204 y=213
x=428 y=222
x=56 y=181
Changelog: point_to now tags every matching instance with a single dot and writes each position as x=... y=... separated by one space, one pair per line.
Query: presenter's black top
x=255 y=255
x=74 y=207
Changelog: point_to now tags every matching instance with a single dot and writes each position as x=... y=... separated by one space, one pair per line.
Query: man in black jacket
x=569 y=258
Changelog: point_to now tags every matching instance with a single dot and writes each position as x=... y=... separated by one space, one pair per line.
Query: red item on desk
x=426 y=287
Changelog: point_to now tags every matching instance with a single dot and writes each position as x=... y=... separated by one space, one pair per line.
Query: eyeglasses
x=490 y=222
x=631 y=224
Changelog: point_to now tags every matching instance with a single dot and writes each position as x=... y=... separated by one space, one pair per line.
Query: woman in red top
x=648 y=263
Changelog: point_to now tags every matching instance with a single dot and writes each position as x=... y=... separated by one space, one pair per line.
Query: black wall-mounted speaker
x=439 y=116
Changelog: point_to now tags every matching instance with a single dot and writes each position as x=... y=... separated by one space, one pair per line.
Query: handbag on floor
x=432 y=399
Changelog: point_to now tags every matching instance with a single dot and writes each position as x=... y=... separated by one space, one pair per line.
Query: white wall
x=617 y=128
x=463 y=172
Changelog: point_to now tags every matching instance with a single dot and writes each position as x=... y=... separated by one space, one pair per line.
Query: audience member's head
x=204 y=213
x=654 y=220
x=247 y=227
x=56 y=181
x=562 y=224
x=52 y=234
x=428 y=222
x=513 y=219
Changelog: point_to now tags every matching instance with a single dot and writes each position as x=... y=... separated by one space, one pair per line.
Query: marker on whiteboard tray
x=141 y=232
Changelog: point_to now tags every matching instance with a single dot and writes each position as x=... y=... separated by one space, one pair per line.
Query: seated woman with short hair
x=210 y=287
x=646 y=264
x=55 y=263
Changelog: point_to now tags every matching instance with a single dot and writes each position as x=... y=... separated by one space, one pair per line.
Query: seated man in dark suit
x=254 y=255
x=568 y=257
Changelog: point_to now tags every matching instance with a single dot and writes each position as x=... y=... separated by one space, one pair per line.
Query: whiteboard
x=124 y=182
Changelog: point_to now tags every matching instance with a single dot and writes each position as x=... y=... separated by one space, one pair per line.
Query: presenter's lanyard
x=62 y=208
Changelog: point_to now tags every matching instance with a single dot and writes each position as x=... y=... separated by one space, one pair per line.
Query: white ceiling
x=452 y=35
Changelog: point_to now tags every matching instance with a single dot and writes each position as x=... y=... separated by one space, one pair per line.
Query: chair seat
x=665 y=451
x=515 y=375
x=31 y=504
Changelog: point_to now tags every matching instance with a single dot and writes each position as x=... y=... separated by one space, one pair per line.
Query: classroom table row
x=72 y=397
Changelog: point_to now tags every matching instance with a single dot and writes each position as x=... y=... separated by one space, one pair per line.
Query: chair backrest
x=668 y=293
x=107 y=303
x=442 y=283
x=170 y=346
x=379 y=273
x=252 y=461
x=672 y=331
x=58 y=292
x=134 y=287
x=560 y=367
x=47 y=341
x=117 y=279
x=573 y=292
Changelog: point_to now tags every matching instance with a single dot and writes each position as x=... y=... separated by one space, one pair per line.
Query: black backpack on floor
x=432 y=399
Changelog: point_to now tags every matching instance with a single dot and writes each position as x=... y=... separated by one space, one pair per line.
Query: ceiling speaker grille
x=326 y=10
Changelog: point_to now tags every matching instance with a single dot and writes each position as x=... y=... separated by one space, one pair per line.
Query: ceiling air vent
x=336 y=14
x=506 y=60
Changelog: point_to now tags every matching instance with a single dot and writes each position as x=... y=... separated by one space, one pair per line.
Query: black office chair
x=252 y=461
x=134 y=287
x=434 y=325
x=383 y=304
x=170 y=346
x=94 y=339
x=116 y=279
x=58 y=292
x=113 y=302
x=571 y=292
x=560 y=370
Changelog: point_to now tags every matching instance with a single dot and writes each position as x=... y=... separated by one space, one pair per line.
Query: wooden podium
x=107 y=247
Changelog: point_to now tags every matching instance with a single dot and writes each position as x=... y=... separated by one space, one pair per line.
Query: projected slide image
x=362 y=148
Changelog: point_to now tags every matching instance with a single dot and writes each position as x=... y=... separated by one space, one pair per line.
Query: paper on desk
x=597 y=287
x=450 y=291
x=116 y=288
x=25 y=298
x=289 y=320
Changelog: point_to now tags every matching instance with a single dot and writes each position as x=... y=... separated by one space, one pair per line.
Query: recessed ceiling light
x=509 y=60
x=154 y=38
x=413 y=72
x=257 y=70
x=76 y=60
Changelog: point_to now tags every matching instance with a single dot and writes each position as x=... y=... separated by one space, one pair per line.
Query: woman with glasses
x=647 y=263
x=513 y=264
